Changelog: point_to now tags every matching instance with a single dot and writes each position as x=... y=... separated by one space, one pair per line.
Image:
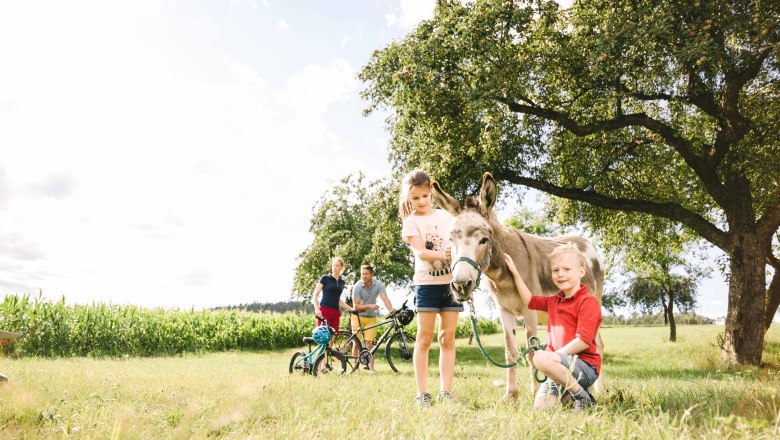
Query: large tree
x=359 y=222
x=667 y=108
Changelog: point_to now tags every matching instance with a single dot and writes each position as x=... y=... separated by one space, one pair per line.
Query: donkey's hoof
x=509 y=397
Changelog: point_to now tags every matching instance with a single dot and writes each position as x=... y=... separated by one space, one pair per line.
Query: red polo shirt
x=569 y=318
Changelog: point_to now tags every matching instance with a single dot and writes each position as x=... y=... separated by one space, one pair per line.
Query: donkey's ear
x=487 y=194
x=444 y=200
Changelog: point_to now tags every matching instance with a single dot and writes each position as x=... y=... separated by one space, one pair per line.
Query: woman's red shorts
x=332 y=315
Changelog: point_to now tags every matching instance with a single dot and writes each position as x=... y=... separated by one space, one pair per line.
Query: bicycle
x=321 y=359
x=398 y=351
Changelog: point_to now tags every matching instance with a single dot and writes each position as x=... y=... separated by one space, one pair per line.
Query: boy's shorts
x=435 y=298
x=365 y=321
x=584 y=372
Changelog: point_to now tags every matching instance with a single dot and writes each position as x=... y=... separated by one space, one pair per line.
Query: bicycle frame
x=312 y=355
x=381 y=339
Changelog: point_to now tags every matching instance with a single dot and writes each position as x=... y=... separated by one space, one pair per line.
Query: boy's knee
x=542 y=360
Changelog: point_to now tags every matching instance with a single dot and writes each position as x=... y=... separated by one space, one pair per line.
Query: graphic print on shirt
x=435 y=242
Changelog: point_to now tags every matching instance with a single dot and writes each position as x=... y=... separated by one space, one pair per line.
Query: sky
x=169 y=153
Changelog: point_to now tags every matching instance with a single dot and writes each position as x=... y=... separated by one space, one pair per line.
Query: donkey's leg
x=598 y=387
x=530 y=322
x=508 y=323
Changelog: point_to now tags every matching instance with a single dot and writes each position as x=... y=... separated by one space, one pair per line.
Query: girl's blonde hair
x=569 y=248
x=415 y=178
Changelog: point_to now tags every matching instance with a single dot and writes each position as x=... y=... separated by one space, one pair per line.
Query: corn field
x=57 y=329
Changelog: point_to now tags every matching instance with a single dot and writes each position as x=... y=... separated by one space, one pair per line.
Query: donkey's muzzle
x=462 y=289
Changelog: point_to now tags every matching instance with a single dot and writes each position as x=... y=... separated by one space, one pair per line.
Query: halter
x=479 y=266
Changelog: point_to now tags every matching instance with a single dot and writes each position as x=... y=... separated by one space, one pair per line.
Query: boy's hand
x=510 y=262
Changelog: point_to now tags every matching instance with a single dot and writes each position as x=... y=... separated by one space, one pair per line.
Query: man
x=364 y=296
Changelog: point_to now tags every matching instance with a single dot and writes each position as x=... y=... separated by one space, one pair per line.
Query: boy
x=574 y=317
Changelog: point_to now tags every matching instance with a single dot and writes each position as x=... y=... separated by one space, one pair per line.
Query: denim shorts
x=435 y=298
x=584 y=372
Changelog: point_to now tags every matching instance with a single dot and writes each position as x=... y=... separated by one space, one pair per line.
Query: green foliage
x=56 y=329
x=531 y=222
x=359 y=222
x=650 y=294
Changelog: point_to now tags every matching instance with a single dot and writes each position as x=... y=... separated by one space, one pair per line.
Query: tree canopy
x=359 y=222
x=665 y=108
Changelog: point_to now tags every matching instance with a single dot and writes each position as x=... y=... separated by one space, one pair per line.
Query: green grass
x=656 y=389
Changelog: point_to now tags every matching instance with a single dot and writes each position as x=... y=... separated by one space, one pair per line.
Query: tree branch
x=669 y=135
x=671 y=211
x=769 y=222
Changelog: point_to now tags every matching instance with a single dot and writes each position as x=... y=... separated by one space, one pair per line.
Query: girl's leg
x=425 y=325
x=449 y=321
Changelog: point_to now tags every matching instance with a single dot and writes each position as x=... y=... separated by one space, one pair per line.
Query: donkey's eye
x=483 y=241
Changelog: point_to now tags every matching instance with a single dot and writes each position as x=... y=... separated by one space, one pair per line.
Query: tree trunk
x=670 y=316
x=743 y=342
x=772 y=300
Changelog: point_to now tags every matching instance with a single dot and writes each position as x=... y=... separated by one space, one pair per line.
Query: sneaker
x=445 y=397
x=584 y=403
x=423 y=400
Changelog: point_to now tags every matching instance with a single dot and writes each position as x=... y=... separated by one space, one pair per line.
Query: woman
x=331 y=285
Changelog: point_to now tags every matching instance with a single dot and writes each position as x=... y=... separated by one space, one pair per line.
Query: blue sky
x=167 y=153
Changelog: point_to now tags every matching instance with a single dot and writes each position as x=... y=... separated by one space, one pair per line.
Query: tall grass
x=57 y=329
x=655 y=390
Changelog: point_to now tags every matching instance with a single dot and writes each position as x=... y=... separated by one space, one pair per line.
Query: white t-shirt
x=435 y=232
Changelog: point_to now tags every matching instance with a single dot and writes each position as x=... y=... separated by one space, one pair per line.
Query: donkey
x=478 y=236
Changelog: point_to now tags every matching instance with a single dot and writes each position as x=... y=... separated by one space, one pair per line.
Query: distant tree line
x=653 y=319
x=277 y=307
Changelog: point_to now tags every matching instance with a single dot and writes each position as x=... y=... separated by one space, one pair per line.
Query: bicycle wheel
x=299 y=363
x=341 y=341
x=399 y=352
x=330 y=363
x=345 y=349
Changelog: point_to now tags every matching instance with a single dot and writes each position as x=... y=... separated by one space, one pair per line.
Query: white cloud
x=391 y=20
x=141 y=163
x=283 y=25
x=414 y=11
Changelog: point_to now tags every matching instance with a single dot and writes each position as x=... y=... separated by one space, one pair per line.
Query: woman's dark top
x=331 y=291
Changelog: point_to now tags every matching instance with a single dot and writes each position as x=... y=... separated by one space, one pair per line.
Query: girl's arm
x=522 y=289
x=418 y=247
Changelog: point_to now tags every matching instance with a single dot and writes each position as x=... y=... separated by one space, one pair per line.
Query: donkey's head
x=471 y=235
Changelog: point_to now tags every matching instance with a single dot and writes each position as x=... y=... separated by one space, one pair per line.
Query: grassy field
x=656 y=389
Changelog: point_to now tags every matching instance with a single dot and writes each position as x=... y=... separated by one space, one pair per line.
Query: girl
x=426 y=230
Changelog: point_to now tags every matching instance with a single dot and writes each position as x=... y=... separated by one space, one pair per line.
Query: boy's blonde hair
x=413 y=179
x=569 y=248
